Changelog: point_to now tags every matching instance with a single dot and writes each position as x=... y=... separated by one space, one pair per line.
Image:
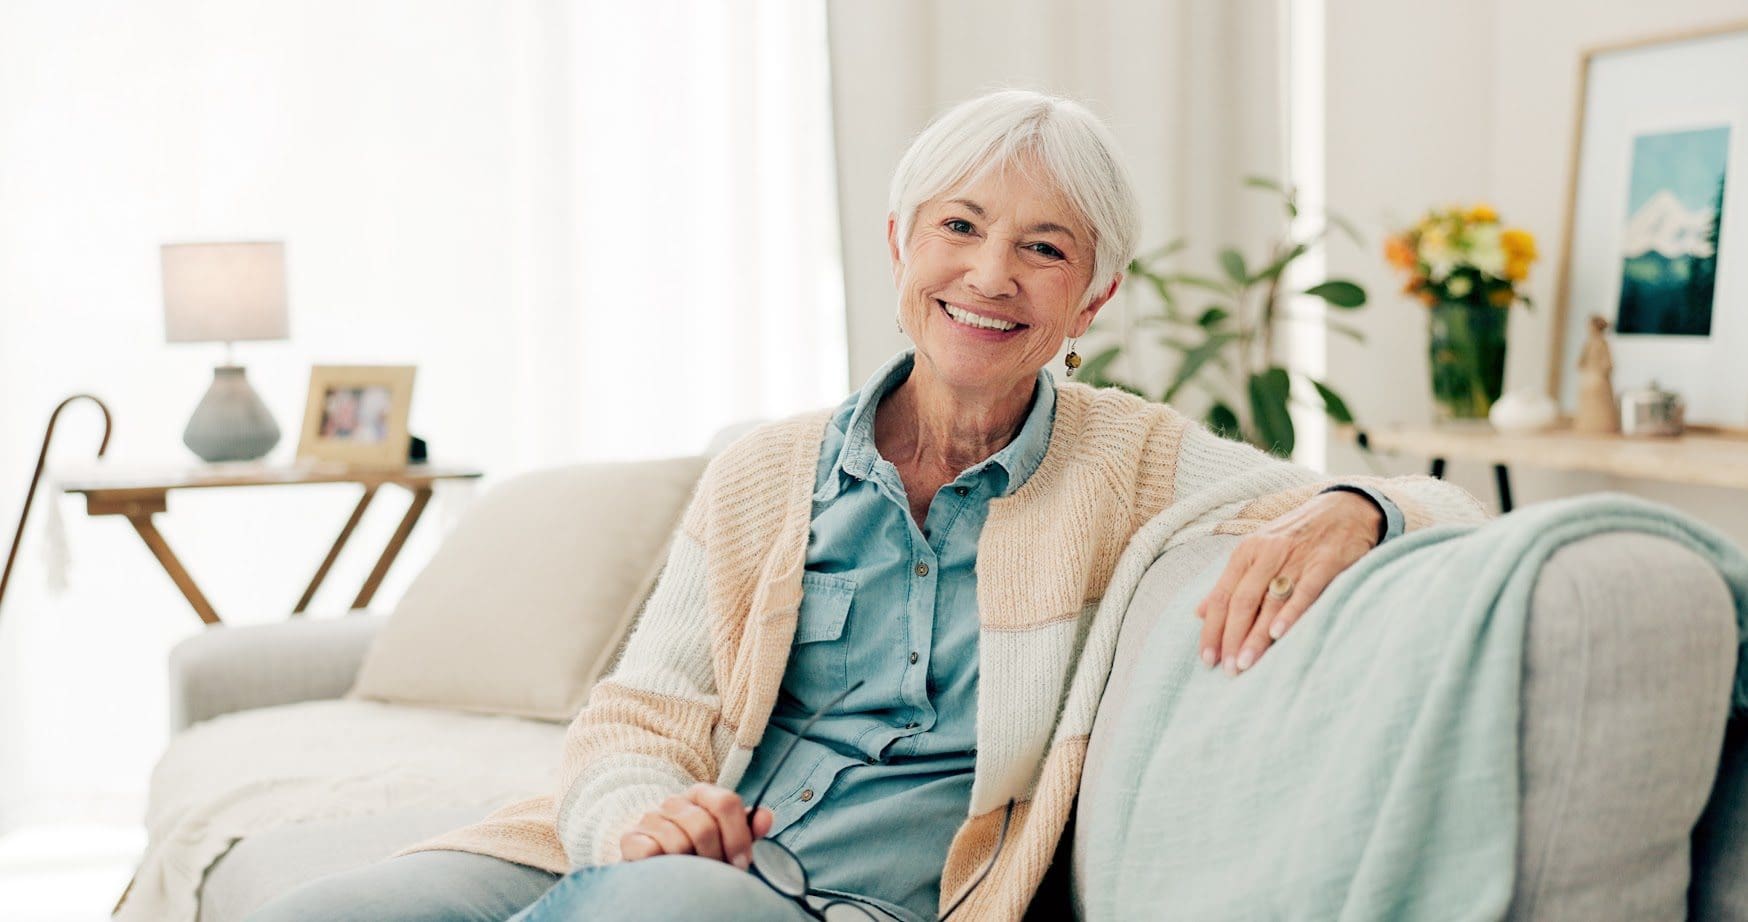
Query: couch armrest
x=233 y=668
x=1628 y=664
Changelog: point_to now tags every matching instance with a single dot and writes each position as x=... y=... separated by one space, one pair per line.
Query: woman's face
x=993 y=278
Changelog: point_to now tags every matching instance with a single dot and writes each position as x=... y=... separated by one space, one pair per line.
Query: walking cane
x=41 y=460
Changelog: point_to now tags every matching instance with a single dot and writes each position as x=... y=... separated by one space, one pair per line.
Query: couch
x=1634 y=789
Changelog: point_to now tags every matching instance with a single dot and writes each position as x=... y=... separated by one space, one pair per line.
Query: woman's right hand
x=705 y=820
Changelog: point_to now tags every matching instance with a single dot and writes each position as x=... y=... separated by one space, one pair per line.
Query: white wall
x=1458 y=101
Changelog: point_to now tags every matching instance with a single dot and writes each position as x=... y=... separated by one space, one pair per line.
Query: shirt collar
x=1017 y=460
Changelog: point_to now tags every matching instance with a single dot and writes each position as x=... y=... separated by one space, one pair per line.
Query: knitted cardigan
x=691 y=695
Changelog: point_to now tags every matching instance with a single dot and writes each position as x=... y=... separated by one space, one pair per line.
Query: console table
x=140 y=493
x=1704 y=457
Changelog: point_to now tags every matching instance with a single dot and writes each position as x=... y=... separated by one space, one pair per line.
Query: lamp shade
x=224 y=292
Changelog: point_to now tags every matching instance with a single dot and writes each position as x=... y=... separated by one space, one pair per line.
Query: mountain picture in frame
x=1655 y=237
x=1669 y=256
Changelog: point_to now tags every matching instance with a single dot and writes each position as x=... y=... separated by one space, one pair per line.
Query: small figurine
x=1597 y=410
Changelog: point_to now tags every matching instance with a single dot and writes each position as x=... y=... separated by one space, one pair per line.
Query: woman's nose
x=991 y=273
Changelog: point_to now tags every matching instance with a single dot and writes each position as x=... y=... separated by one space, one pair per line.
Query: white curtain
x=601 y=230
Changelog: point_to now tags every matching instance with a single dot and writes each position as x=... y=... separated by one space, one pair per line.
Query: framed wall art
x=1656 y=235
x=357 y=415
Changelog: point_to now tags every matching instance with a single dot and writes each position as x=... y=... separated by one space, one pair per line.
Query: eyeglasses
x=783 y=872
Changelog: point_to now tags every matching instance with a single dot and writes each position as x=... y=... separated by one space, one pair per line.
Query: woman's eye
x=1047 y=250
x=959 y=226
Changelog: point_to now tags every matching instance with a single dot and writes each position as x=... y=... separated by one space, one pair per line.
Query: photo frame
x=357 y=415
x=1656 y=235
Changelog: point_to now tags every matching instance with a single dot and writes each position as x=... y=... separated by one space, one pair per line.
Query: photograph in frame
x=1656 y=241
x=357 y=415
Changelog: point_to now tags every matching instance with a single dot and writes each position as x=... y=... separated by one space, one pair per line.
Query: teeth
x=976 y=320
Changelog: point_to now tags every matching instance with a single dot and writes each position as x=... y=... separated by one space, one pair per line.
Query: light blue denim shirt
x=871 y=798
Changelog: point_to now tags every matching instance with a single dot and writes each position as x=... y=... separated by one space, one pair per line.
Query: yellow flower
x=1517 y=268
x=1519 y=244
x=1482 y=213
x=1500 y=297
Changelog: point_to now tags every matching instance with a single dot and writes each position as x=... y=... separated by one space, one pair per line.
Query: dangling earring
x=898 y=321
x=1072 y=359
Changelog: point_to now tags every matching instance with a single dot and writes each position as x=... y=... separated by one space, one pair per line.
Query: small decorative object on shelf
x=1597 y=411
x=1523 y=410
x=1652 y=411
x=357 y=415
x=1467 y=269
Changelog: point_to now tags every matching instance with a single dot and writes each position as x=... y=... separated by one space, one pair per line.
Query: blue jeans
x=446 y=886
x=438 y=886
x=673 y=887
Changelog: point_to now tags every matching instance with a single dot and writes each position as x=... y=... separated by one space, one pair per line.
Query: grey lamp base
x=231 y=423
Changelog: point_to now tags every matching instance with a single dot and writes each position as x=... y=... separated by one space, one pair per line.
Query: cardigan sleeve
x=1280 y=486
x=646 y=732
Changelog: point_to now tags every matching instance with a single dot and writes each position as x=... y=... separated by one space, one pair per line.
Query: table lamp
x=226 y=292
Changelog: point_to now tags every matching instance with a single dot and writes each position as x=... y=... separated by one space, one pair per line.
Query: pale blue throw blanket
x=1367 y=767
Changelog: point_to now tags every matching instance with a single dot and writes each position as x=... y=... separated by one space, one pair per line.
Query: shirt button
x=962 y=491
x=922 y=569
x=807 y=795
x=914 y=657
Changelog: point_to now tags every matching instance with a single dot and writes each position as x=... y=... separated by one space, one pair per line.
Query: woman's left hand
x=1297 y=554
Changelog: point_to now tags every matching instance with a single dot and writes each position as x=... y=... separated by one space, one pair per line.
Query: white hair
x=1006 y=128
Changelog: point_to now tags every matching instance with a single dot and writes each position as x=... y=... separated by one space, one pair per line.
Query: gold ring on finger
x=1280 y=587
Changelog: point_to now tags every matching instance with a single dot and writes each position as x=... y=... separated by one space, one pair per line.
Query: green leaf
x=1332 y=402
x=1223 y=421
x=1268 y=406
x=1164 y=251
x=1350 y=332
x=1198 y=281
x=1194 y=358
x=1212 y=317
x=1346 y=228
x=1233 y=262
x=1093 y=369
x=1339 y=293
x=1263 y=182
x=1273 y=269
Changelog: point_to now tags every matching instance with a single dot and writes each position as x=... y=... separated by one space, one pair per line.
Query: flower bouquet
x=1468 y=270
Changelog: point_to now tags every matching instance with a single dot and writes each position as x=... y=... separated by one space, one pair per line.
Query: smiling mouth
x=974 y=321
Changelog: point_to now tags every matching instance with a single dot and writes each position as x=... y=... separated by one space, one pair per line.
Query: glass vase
x=1467 y=352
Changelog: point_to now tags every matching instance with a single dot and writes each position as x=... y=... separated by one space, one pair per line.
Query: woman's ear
x=892 y=246
x=1083 y=321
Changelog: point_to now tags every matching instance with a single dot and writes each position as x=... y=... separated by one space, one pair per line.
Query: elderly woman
x=844 y=698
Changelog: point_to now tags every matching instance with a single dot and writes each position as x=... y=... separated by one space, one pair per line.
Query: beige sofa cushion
x=522 y=606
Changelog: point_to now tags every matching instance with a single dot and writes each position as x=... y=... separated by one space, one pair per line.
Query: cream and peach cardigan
x=689 y=700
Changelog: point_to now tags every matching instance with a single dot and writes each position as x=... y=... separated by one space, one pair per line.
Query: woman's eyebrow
x=1048 y=227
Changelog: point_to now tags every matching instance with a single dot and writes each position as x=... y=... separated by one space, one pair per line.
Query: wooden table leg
x=420 y=498
x=334 y=552
x=142 y=523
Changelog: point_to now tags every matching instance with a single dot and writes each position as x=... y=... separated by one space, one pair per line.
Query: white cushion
x=244 y=774
x=521 y=608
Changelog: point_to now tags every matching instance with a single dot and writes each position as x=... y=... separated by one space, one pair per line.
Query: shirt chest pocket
x=819 y=658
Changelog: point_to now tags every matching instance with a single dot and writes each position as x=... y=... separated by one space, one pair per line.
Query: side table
x=1704 y=457
x=139 y=493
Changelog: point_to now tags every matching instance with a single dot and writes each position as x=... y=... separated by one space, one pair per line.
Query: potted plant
x=1225 y=347
x=1468 y=270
